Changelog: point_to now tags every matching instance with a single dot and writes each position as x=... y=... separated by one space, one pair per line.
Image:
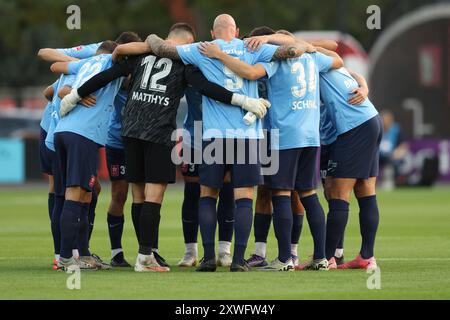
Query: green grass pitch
x=413 y=251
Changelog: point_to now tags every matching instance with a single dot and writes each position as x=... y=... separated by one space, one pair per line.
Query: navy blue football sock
x=282 y=224
x=225 y=212
x=262 y=226
x=148 y=226
x=336 y=222
x=136 y=209
x=316 y=221
x=115 y=229
x=91 y=213
x=207 y=219
x=56 y=223
x=341 y=242
x=297 y=225
x=84 y=231
x=369 y=218
x=51 y=204
x=189 y=212
x=70 y=222
x=242 y=228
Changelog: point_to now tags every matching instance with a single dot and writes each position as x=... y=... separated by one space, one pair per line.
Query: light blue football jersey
x=293 y=90
x=64 y=80
x=91 y=123
x=81 y=52
x=220 y=120
x=328 y=132
x=336 y=89
x=46 y=115
x=114 y=139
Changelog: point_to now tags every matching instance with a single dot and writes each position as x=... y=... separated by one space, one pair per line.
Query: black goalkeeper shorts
x=148 y=162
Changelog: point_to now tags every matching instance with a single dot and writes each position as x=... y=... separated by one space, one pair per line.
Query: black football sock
x=207 y=218
x=316 y=221
x=56 y=223
x=225 y=212
x=242 y=228
x=148 y=226
x=282 y=224
x=189 y=212
x=369 y=218
x=136 y=209
x=336 y=222
x=115 y=229
x=70 y=222
x=84 y=231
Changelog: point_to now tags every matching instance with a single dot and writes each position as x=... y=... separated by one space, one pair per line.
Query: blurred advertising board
x=12 y=161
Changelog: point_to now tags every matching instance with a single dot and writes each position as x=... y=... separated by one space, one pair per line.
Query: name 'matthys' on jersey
x=219 y=120
x=293 y=90
x=91 y=123
x=64 y=80
x=336 y=89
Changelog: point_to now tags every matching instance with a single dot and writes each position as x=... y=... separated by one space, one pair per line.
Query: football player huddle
x=262 y=110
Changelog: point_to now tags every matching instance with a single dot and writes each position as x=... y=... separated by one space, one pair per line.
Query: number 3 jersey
x=293 y=90
x=157 y=85
x=91 y=123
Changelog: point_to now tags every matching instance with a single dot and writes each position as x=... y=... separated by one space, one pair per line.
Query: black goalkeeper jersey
x=157 y=85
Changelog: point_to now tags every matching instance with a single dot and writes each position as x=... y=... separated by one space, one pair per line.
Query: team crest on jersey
x=92 y=182
x=79 y=48
x=115 y=171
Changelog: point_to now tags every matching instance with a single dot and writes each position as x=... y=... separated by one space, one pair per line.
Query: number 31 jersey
x=157 y=85
x=293 y=90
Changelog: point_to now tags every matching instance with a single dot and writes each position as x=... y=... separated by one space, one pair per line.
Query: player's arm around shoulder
x=131 y=49
x=162 y=48
x=241 y=68
x=361 y=93
x=337 y=62
x=53 y=55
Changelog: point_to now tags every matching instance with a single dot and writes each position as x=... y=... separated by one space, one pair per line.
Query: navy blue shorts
x=355 y=154
x=76 y=162
x=324 y=160
x=46 y=156
x=115 y=160
x=189 y=168
x=244 y=165
x=297 y=170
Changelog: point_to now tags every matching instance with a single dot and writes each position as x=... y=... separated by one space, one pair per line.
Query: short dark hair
x=107 y=46
x=128 y=36
x=183 y=26
x=261 y=31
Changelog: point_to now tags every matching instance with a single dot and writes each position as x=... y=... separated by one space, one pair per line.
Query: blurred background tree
x=28 y=25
